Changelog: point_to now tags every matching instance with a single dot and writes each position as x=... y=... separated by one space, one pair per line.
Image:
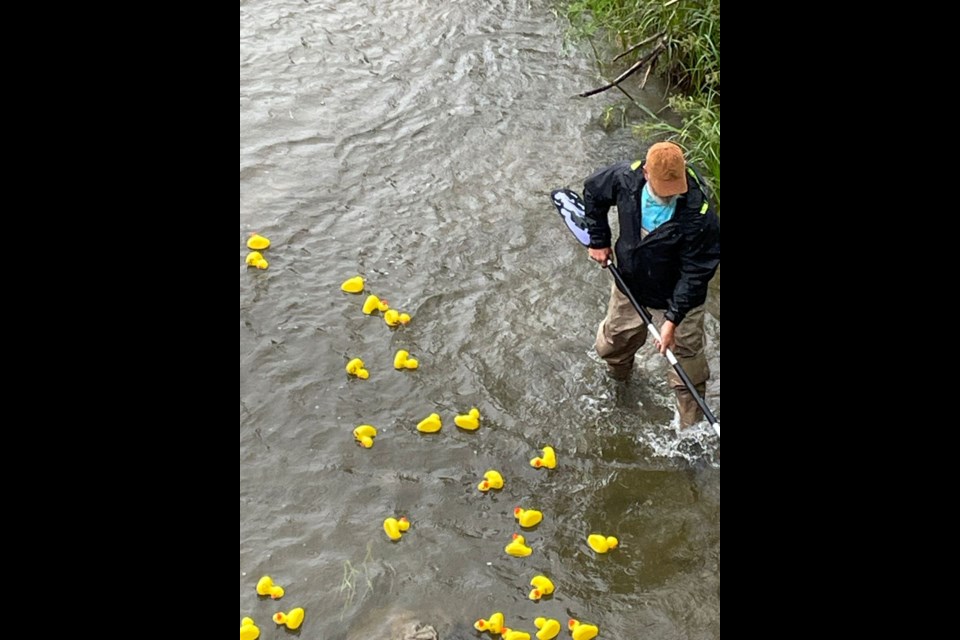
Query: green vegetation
x=689 y=31
x=348 y=586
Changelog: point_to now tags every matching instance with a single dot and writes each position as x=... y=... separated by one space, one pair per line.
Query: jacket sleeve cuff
x=674 y=316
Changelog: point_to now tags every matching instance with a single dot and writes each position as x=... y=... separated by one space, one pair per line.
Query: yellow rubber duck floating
x=365 y=434
x=581 y=631
x=293 y=620
x=353 y=285
x=403 y=361
x=541 y=587
x=491 y=480
x=548 y=460
x=602 y=544
x=248 y=630
x=469 y=421
x=494 y=625
x=549 y=628
x=430 y=424
x=373 y=303
x=510 y=634
x=355 y=368
x=257 y=242
x=518 y=548
x=256 y=259
x=395 y=527
x=394 y=318
x=527 y=517
x=265 y=587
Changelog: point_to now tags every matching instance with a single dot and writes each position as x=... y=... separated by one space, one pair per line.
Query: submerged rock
x=404 y=625
x=417 y=631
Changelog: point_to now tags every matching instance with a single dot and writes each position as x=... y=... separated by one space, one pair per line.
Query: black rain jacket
x=670 y=268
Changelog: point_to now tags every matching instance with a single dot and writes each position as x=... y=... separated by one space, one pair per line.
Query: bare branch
x=646 y=75
x=624 y=92
x=639 y=104
x=637 y=65
x=639 y=44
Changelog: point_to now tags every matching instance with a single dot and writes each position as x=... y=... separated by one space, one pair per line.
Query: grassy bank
x=689 y=61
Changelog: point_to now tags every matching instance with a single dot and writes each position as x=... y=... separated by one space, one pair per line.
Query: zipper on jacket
x=668 y=223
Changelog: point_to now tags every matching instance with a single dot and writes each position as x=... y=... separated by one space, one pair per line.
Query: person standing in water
x=667 y=251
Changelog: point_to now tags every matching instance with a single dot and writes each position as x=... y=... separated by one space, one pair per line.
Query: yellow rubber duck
x=494 y=625
x=391 y=317
x=491 y=480
x=581 y=631
x=395 y=527
x=518 y=548
x=549 y=459
x=527 y=517
x=353 y=285
x=602 y=544
x=541 y=587
x=373 y=303
x=293 y=620
x=549 y=628
x=248 y=630
x=265 y=587
x=355 y=368
x=510 y=634
x=257 y=242
x=430 y=424
x=365 y=434
x=255 y=259
x=403 y=361
x=469 y=421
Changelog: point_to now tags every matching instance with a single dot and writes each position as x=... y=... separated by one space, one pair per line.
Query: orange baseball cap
x=667 y=169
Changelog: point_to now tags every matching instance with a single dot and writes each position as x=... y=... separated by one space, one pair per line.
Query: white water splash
x=698 y=443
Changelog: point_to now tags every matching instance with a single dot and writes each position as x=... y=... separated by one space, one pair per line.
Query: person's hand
x=666 y=337
x=600 y=255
